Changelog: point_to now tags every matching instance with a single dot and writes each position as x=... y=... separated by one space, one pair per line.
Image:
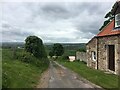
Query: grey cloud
x=57 y=39
x=90 y=7
x=10 y=33
x=16 y=33
x=4 y=25
x=90 y=28
x=56 y=11
x=84 y=19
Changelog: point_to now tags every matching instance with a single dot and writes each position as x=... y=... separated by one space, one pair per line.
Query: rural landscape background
x=31 y=32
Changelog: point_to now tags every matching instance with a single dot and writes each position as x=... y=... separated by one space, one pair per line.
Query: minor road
x=60 y=77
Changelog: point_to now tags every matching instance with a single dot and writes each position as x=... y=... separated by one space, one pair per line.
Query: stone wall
x=118 y=53
x=91 y=46
x=82 y=56
x=103 y=42
x=100 y=46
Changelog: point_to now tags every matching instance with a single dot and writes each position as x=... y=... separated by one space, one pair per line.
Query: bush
x=51 y=54
x=29 y=58
x=34 y=45
x=57 y=49
x=65 y=57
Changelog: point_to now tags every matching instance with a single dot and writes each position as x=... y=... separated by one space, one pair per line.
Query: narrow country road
x=60 y=77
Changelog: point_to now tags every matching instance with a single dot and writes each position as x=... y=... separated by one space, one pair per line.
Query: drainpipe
x=97 y=52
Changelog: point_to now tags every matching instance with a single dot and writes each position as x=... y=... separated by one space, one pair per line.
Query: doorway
x=111 y=57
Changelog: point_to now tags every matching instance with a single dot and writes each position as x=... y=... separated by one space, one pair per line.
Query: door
x=111 y=57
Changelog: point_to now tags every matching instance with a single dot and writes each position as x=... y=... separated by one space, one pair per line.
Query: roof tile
x=109 y=30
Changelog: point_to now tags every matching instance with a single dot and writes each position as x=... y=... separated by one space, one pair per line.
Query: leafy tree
x=109 y=17
x=51 y=54
x=35 y=46
x=58 y=49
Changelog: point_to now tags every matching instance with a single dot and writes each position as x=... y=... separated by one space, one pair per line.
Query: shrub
x=34 y=45
x=57 y=49
x=29 y=58
x=65 y=57
x=51 y=54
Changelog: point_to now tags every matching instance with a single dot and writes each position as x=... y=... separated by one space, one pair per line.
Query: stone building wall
x=91 y=46
x=103 y=51
x=81 y=56
x=100 y=46
x=118 y=52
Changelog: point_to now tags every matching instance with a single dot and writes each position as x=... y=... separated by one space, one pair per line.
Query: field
x=23 y=70
x=98 y=77
x=18 y=72
x=69 y=48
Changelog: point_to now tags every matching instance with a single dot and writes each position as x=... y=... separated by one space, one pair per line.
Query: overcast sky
x=67 y=22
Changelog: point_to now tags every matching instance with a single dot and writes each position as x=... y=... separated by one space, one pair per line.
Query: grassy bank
x=98 y=77
x=20 y=70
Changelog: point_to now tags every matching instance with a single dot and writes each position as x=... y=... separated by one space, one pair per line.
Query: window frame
x=94 y=55
x=115 y=24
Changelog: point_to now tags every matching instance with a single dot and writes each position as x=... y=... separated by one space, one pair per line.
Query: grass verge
x=107 y=81
x=19 y=73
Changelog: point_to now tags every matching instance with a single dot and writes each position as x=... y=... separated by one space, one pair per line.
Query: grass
x=70 y=52
x=98 y=77
x=19 y=74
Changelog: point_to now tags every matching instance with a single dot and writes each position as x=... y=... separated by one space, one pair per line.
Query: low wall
x=82 y=56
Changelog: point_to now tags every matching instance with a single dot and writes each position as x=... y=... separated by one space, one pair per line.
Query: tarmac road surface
x=61 y=77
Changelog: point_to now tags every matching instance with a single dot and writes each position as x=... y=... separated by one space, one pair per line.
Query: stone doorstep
x=110 y=72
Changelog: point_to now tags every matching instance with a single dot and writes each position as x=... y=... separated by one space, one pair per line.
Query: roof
x=109 y=30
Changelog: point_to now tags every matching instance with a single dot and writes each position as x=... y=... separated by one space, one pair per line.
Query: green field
x=98 y=77
x=19 y=71
x=69 y=48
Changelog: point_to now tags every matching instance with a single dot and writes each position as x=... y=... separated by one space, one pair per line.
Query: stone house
x=103 y=50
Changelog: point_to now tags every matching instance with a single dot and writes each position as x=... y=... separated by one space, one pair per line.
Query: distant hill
x=12 y=44
x=70 y=48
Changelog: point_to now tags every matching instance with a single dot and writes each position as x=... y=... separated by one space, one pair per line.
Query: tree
x=109 y=17
x=35 y=46
x=51 y=54
x=58 y=49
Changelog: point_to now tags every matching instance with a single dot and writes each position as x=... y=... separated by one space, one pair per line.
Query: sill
x=116 y=28
x=94 y=60
x=113 y=72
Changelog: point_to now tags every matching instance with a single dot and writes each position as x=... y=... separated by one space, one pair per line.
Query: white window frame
x=117 y=20
x=93 y=55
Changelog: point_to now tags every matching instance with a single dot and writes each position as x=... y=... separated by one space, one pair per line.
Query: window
x=117 y=20
x=93 y=55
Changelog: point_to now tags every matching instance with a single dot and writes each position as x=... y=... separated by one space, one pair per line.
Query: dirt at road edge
x=44 y=80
